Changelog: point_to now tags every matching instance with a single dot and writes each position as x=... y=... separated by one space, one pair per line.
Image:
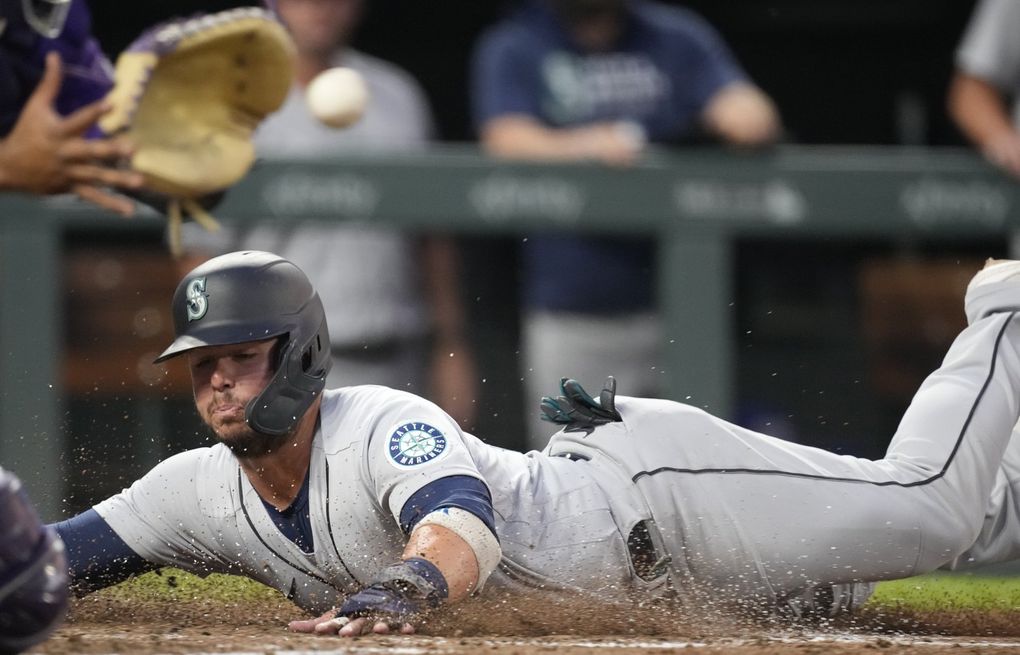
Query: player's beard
x=252 y=445
x=241 y=439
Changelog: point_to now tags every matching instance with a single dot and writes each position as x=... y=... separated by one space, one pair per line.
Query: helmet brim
x=224 y=336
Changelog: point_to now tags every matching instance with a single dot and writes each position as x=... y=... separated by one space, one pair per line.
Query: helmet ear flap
x=311 y=355
x=300 y=377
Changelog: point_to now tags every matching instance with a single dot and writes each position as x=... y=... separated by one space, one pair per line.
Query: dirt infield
x=107 y=623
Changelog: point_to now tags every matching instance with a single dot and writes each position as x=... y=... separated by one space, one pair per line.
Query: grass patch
x=949 y=591
x=935 y=591
x=176 y=585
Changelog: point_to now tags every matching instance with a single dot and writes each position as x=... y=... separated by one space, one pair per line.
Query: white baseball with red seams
x=338 y=96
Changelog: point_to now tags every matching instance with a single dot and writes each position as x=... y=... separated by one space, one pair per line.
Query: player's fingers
x=308 y=625
x=104 y=199
x=303 y=625
x=576 y=392
x=95 y=174
x=386 y=627
x=48 y=87
x=355 y=628
x=552 y=412
x=607 y=399
x=84 y=118
x=330 y=626
x=96 y=149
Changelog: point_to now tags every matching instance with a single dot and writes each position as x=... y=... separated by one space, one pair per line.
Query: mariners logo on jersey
x=416 y=443
x=198 y=304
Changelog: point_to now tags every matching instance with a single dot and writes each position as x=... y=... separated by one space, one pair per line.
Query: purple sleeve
x=88 y=75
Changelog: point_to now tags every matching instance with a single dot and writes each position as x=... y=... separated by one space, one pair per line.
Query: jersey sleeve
x=413 y=444
x=158 y=516
x=96 y=556
x=702 y=59
x=88 y=74
x=990 y=49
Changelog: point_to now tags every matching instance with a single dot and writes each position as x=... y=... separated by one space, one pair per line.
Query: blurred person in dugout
x=987 y=80
x=596 y=80
x=396 y=317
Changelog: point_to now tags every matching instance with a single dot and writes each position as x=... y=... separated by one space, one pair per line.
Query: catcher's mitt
x=189 y=93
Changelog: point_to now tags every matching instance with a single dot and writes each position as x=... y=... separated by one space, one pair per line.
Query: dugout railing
x=696 y=203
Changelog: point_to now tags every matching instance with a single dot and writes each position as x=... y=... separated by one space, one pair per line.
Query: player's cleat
x=995 y=289
x=826 y=601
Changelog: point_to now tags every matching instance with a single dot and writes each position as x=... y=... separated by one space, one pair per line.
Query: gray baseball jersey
x=374 y=448
x=669 y=489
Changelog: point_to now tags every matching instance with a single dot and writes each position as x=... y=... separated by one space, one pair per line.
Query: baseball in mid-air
x=337 y=96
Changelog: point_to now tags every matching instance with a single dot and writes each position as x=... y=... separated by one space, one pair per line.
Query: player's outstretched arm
x=48 y=153
x=438 y=566
x=96 y=556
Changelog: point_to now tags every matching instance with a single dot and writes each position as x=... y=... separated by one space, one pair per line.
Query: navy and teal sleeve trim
x=461 y=491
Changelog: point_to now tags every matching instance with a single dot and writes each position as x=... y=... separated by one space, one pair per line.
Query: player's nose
x=221 y=377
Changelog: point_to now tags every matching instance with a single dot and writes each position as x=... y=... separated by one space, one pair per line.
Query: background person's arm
x=518 y=136
x=980 y=111
x=742 y=114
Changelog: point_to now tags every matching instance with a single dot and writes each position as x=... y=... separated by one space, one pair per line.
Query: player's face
x=225 y=379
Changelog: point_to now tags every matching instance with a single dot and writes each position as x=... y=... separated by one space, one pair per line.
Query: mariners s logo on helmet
x=198 y=304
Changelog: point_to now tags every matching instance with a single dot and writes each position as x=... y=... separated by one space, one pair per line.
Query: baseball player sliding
x=371 y=506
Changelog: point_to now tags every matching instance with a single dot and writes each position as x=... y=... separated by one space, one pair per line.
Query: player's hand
x=577 y=410
x=47 y=153
x=400 y=594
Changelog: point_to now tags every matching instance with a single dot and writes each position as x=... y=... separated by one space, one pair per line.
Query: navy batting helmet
x=252 y=296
